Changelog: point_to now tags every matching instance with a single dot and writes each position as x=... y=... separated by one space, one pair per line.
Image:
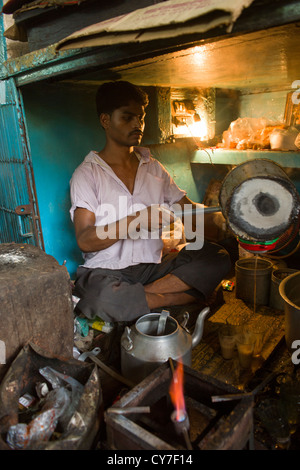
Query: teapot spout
x=198 y=331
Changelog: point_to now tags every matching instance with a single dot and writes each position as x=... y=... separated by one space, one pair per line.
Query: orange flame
x=176 y=392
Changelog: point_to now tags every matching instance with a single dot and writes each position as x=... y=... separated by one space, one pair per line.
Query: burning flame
x=176 y=392
x=194 y=129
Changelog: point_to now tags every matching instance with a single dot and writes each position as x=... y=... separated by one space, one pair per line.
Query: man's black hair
x=113 y=95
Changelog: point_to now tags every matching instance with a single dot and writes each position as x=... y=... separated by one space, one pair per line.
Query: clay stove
x=143 y=419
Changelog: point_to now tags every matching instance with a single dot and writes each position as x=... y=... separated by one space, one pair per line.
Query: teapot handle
x=186 y=317
x=127 y=342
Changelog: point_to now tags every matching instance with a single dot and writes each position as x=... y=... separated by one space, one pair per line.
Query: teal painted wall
x=194 y=178
x=63 y=127
x=269 y=105
x=176 y=158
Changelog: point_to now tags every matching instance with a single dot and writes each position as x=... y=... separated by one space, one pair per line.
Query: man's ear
x=104 y=120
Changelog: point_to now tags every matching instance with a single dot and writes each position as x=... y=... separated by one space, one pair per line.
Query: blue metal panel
x=3 y=50
x=19 y=218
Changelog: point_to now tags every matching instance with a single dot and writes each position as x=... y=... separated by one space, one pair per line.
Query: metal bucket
x=289 y=290
x=276 y=301
x=253 y=279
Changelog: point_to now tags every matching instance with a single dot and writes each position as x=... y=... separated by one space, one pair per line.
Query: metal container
x=276 y=301
x=289 y=290
x=258 y=200
x=154 y=339
x=253 y=279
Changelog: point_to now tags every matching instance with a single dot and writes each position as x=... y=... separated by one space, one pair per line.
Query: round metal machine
x=261 y=205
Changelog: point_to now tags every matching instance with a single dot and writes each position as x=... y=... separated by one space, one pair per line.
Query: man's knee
x=214 y=253
x=122 y=302
x=112 y=299
x=223 y=261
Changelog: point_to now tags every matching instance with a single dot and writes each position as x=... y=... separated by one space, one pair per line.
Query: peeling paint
x=33 y=59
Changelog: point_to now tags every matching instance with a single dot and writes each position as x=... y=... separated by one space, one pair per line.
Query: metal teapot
x=154 y=339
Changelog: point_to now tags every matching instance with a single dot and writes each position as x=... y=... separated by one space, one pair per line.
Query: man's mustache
x=136 y=131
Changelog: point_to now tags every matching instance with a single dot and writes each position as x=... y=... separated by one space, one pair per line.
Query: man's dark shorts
x=118 y=295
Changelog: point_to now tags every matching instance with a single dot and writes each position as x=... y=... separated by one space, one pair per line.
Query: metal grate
x=19 y=218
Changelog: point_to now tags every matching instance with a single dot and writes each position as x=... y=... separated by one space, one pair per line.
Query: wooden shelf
x=235 y=157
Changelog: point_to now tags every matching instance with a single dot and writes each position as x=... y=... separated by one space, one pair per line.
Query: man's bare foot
x=167 y=285
x=166 y=300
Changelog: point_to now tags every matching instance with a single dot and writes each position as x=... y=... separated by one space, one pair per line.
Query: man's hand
x=151 y=219
x=96 y=238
